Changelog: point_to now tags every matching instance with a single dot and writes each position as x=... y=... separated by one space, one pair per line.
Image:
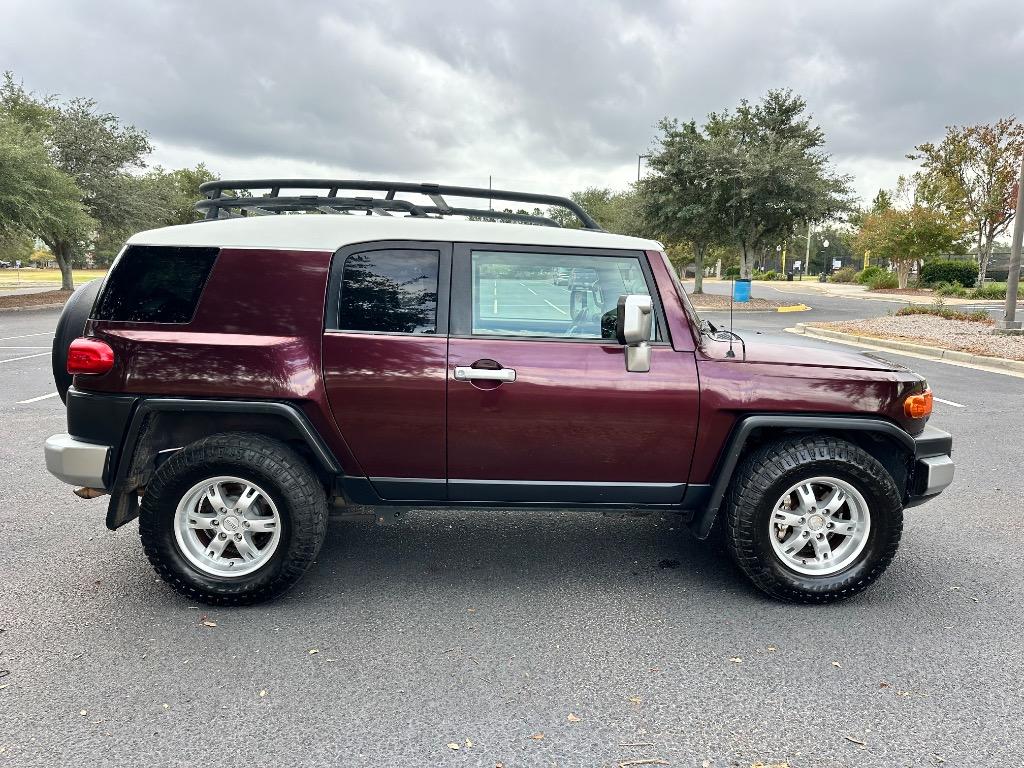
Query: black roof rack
x=326 y=200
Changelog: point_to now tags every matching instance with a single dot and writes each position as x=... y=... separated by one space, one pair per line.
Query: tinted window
x=547 y=294
x=391 y=291
x=155 y=284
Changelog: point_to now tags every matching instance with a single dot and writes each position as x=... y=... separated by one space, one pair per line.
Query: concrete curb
x=31 y=308
x=938 y=353
x=794 y=308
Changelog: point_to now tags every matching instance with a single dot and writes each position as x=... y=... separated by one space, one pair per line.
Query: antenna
x=732 y=292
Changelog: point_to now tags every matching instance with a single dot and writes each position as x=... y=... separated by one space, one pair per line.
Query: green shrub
x=844 y=275
x=866 y=275
x=883 y=280
x=951 y=289
x=732 y=272
x=771 y=274
x=990 y=291
x=957 y=271
x=938 y=310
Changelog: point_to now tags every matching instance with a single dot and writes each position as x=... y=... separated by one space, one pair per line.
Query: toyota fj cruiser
x=234 y=376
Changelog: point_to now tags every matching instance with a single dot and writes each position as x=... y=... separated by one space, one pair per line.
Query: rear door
x=559 y=419
x=385 y=359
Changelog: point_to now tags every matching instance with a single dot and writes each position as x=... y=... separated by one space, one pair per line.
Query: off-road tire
x=760 y=480
x=275 y=467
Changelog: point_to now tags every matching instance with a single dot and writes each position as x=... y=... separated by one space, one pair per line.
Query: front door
x=541 y=407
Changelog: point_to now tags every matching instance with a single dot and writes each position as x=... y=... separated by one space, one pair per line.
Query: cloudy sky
x=545 y=96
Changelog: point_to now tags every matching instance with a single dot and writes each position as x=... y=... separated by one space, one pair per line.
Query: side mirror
x=634 y=315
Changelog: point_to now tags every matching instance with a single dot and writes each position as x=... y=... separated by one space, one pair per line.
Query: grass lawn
x=13 y=278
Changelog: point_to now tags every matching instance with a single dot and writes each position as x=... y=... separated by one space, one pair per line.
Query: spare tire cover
x=69 y=327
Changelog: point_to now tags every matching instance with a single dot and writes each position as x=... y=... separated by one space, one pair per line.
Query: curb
x=30 y=308
x=952 y=355
x=793 y=308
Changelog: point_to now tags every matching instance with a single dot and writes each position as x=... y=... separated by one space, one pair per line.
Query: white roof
x=330 y=232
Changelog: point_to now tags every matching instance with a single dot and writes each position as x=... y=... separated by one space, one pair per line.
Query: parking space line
x=949 y=402
x=37 y=399
x=46 y=347
x=24 y=357
x=26 y=336
x=559 y=309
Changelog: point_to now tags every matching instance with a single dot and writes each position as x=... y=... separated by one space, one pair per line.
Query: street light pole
x=1010 y=323
x=638 y=158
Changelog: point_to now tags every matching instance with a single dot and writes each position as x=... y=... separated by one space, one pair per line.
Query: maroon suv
x=234 y=376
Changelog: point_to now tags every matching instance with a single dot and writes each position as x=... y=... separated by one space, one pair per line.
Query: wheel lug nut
x=821 y=535
x=223 y=535
x=806 y=534
x=831 y=525
x=215 y=522
x=801 y=520
x=247 y=524
x=238 y=537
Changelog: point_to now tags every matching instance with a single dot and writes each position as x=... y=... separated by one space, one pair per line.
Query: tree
x=674 y=200
x=616 y=212
x=34 y=194
x=768 y=172
x=96 y=151
x=907 y=236
x=971 y=174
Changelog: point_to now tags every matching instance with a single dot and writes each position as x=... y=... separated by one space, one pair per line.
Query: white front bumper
x=75 y=462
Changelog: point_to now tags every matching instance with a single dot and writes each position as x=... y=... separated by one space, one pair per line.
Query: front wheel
x=812 y=520
x=233 y=519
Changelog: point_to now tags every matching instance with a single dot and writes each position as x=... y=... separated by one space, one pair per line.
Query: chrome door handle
x=465 y=373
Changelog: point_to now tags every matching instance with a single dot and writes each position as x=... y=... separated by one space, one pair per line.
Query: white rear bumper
x=75 y=462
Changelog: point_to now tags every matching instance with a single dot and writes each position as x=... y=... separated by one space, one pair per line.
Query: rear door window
x=389 y=291
x=155 y=284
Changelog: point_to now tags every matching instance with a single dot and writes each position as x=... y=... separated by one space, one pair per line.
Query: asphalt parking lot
x=550 y=638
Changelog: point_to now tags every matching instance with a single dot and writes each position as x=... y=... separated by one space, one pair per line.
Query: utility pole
x=1010 y=323
x=807 y=259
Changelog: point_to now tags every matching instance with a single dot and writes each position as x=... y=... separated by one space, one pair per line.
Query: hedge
x=956 y=271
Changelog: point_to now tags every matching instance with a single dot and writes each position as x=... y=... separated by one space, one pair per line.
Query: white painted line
x=37 y=399
x=26 y=336
x=949 y=402
x=24 y=357
x=554 y=307
x=46 y=347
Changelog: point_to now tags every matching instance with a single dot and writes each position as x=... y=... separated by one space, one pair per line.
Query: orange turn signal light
x=918 y=406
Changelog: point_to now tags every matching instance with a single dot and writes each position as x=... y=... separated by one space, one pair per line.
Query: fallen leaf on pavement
x=468 y=743
x=313 y=651
x=453 y=745
x=207 y=622
x=537 y=736
x=772 y=649
x=769 y=765
x=736 y=659
x=651 y=761
x=573 y=719
x=84 y=712
x=263 y=694
x=855 y=741
x=636 y=700
x=837 y=665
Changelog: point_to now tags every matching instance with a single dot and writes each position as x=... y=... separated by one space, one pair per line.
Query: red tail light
x=89 y=356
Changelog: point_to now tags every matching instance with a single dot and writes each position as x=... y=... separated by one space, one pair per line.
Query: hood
x=784 y=354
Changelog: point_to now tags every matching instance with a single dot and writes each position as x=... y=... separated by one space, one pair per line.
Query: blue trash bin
x=741 y=290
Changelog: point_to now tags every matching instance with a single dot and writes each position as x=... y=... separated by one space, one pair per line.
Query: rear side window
x=155 y=284
x=391 y=291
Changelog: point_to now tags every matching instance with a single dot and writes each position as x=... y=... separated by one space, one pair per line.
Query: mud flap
x=123 y=508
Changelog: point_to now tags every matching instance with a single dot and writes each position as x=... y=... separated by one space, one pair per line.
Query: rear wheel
x=233 y=519
x=813 y=520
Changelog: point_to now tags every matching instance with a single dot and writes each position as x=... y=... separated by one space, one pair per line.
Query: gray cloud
x=551 y=92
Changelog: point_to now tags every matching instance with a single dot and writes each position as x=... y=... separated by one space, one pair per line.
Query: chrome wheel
x=820 y=526
x=227 y=526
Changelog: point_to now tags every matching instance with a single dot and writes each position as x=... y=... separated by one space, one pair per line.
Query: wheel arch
x=159 y=426
x=893 y=447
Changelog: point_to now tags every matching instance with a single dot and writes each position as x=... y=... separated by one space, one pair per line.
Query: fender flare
x=704 y=517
